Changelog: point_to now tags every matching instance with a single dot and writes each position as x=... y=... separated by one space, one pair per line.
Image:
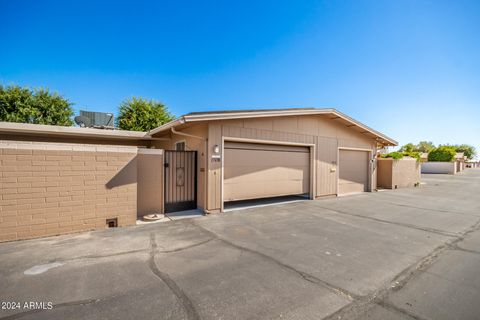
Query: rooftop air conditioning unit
x=99 y=120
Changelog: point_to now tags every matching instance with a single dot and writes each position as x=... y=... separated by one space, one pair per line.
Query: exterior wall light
x=216 y=149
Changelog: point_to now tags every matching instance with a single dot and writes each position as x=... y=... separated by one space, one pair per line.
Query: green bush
x=468 y=150
x=139 y=114
x=444 y=153
x=39 y=106
x=412 y=154
x=394 y=155
x=397 y=155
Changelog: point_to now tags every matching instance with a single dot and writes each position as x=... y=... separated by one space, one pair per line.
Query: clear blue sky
x=410 y=69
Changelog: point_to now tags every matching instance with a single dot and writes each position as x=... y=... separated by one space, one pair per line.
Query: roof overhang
x=61 y=131
x=230 y=115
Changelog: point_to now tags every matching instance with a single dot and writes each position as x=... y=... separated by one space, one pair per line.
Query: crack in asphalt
x=431 y=258
x=399 y=310
x=458 y=248
x=177 y=291
x=186 y=247
x=307 y=277
x=434 y=210
x=380 y=296
x=100 y=256
x=146 y=250
x=407 y=225
x=163 y=276
x=358 y=305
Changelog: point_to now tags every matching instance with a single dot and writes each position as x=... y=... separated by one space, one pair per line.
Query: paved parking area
x=403 y=254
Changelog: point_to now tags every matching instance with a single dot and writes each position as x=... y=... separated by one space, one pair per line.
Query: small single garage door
x=353 y=171
x=261 y=170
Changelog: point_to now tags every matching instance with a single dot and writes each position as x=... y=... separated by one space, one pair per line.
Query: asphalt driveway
x=403 y=254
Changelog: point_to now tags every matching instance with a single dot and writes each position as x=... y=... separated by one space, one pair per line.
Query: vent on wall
x=112 y=223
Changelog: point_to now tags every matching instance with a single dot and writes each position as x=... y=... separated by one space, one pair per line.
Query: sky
x=409 y=69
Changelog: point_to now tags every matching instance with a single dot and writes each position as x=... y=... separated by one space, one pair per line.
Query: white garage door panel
x=259 y=171
x=353 y=171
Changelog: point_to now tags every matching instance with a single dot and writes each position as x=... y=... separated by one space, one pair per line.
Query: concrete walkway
x=403 y=254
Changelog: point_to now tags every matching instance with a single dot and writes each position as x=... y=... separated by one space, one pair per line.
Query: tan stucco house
x=58 y=180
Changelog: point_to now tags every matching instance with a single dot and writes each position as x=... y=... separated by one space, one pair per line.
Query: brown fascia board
x=48 y=130
x=255 y=114
x=246 y=111
x=230 y=115
x=167 y=126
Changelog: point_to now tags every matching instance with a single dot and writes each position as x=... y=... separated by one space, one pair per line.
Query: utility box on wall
x=401 y=173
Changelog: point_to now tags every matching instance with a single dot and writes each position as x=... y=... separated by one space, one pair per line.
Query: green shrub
x=394 y=155
x=468 y=150
x=409 y=147
x=412 y=154
x=39 y=106
x=397 y=155
x=444 y=153
x=140 y=114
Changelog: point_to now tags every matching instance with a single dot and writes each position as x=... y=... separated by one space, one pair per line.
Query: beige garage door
x=353 y=171
x=260 y=171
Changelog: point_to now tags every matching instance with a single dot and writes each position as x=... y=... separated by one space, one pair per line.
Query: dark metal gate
x=180 y=178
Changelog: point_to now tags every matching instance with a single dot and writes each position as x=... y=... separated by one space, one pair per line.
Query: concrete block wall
x=439 y=167
x=402 y=173
x=53 y=188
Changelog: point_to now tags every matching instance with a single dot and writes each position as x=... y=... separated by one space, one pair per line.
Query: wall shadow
x=126 y=175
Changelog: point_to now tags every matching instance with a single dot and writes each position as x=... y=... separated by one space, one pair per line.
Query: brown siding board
x=326 y=134
x=326 y=161
x=214 y=168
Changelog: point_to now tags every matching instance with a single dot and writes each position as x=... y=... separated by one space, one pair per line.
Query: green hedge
x=394 y=155
x=412 y=154
x=444 y=154
x=399 y=155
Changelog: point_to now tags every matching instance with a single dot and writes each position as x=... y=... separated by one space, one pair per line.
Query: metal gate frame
x=180 y=186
